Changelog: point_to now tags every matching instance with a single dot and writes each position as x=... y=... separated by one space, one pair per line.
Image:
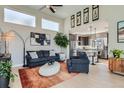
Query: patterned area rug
x=30 y=77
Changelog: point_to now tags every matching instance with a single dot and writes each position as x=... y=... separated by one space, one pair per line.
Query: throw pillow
x=40 y=54
x=33 y=55
x=52 y=53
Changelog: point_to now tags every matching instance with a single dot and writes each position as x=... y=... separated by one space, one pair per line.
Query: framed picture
x=72 y=21
x=86 y=15
x=120 y=32
x=38 y=39
x=95 y=12
x=78 y=18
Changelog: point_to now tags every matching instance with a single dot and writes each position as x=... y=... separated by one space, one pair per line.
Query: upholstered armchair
x=78 y=63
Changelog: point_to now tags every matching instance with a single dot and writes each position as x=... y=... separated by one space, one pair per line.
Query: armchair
x=78 y=63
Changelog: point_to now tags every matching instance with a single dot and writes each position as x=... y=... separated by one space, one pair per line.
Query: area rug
x=30 y=77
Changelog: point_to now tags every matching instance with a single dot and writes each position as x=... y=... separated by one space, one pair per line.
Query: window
x=18 y=18
x=50 y=25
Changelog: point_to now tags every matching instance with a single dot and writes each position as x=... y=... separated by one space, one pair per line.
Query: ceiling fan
x=51 y=7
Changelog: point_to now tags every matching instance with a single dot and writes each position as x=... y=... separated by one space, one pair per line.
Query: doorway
x=93 y=36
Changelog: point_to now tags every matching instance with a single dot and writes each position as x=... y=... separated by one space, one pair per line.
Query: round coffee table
x=49 y=70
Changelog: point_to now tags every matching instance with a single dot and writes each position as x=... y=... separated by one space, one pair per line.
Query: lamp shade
x=9 y=36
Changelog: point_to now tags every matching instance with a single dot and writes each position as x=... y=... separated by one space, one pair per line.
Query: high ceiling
x=67 y=10
x=61 y=12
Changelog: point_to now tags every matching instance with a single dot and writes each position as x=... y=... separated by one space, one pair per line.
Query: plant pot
x=62 y=56
x=4 y=82
x=116 y=56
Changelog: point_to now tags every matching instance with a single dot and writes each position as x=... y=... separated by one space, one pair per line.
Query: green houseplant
x=117 y=53
x=61 y=40
x=5 y=73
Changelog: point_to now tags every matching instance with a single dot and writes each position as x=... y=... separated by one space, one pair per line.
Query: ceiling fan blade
x=42 y=7
x=52 y=9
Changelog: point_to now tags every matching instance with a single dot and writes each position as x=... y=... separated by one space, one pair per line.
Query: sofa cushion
x=83 y=55
x=38 y=60
x=79 y=61
x=40 y=54
x=46 y=53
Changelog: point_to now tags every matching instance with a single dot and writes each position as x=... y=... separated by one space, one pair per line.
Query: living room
x=23 y=25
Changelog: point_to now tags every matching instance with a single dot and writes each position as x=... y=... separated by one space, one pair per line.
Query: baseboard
x=17 y=65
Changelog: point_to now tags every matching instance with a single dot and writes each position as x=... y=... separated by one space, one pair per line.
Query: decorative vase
x=50 y=63
x=116 y=56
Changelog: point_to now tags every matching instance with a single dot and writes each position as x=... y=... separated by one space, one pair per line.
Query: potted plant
x=117 y=53
x=62 y=41
x=5 y=73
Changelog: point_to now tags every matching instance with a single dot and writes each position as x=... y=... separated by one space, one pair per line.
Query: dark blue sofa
x=43 y=58
x=78 y=63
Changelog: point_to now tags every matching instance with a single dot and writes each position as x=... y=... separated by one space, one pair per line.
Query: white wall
x=113 y=14
x=15 y=46
x=108 y=14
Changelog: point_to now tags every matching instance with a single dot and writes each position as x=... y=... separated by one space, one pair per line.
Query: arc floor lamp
x=12 y=34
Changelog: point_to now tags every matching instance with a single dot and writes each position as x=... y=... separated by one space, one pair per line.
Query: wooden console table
x=116 y=65
x=5 y=57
